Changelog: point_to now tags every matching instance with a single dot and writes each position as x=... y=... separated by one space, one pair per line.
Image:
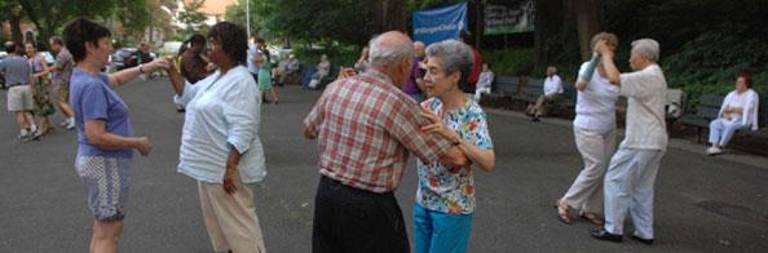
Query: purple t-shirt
x=410 y=87
x=91 y=98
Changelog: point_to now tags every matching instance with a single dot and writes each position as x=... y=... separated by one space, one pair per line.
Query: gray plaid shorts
x=106 y=180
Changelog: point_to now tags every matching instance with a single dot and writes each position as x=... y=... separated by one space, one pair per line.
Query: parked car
x=120 y=57
x=126 y=57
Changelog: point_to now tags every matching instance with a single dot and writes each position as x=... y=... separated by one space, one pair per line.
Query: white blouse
x=749 y=103
x=221 y=112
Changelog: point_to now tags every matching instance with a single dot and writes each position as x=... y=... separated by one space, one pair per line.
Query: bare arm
x=233 y=159
x=124 y=76
x=614 y=76
x=177 y=82
x=485 y=159
x=454 y=157
x=97 y=135
x=46 y=70
x=606 y=58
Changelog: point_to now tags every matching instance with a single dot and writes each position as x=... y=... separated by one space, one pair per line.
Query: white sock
x=33 y=128
x=23 y=132
x=71 y=120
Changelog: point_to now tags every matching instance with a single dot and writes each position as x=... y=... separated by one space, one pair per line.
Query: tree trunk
x=587 y=23
x=390 y=16
x=15 y=22
x=478 y=31
x=547 y=22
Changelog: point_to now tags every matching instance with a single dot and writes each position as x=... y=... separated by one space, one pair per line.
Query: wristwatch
x=141 y=68
x=456 y=142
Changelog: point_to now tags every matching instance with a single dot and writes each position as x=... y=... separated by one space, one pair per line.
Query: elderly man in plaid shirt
x=366 y=128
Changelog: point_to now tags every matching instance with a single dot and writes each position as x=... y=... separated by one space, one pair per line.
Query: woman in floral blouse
x=445 y=199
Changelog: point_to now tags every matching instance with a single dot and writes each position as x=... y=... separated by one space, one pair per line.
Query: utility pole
x=248 y=18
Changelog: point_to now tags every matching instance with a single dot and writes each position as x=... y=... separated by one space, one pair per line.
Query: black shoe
x=601 y=234
x=644 y=241
x=535 y=119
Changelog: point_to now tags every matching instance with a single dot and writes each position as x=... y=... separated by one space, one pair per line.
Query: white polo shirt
x=646 y=95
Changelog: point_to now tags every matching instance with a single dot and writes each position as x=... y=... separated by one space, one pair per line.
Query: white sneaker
x=64 y=123
x=71 y=125
x=714 y=151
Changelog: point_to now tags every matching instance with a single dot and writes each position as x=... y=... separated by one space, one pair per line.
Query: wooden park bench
x=502 y=90
x=706 y=111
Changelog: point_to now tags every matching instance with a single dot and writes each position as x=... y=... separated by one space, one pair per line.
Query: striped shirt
x=366 y=129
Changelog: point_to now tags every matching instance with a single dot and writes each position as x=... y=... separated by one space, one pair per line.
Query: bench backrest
x=709 y=106
x=506 y=85
x=535 y=87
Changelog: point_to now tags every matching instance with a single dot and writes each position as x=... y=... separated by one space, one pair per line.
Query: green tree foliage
x=193 y=18
x=49 y=15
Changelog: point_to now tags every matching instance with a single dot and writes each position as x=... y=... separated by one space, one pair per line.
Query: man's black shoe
x=644 y=241
x=601 y=234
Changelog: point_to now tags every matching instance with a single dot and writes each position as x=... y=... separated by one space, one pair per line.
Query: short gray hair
x=454 y=56
x=383 y=54
x=648 y=48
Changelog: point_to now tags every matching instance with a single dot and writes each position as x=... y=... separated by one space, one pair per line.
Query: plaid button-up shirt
x=366 y=129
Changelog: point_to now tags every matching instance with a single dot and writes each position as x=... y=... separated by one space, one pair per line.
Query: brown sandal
x=563 y=212
x=592 y=217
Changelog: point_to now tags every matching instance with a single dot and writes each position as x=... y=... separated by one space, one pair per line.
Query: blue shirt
x=16 y=69
x=91 y=98
x=223 y=111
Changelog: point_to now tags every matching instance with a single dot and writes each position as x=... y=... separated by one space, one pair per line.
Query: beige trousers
x=231 y=219
x=596 y=148
x=539 y=108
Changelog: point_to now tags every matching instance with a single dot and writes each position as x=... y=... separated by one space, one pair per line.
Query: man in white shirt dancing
x=629 y=182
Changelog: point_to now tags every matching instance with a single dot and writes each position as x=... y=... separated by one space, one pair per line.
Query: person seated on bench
x=739 y=110
x=552 y=89
x=484 y=82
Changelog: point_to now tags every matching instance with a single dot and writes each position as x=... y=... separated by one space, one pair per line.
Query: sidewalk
x=730 y=155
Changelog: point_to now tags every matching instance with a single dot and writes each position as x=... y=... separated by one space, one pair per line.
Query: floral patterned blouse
x=452 y=190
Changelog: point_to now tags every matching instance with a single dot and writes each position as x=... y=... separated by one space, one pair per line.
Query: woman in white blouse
x=594 y=129
x=739 y=110
x=220 y=146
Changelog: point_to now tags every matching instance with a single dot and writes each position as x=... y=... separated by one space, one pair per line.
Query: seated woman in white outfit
x=739 y=110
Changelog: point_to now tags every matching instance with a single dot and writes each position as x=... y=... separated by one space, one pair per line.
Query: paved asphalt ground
x=703 y=204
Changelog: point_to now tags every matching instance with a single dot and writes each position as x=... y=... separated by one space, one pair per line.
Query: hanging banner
x=439 y=24
x=511 y=16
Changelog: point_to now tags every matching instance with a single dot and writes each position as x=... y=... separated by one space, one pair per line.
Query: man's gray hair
x=648 y=48
x=385 y=53
x=454 y=56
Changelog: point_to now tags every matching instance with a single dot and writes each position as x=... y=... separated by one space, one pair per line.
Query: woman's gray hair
x=648 y=48
x=454 y=56
x=383 y=53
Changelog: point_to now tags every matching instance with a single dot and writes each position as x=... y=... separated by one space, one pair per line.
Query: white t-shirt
x=596 y=104
x=553 y=85
x=646 y=95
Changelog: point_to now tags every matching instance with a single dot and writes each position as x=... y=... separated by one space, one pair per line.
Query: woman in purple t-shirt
x=104 y=134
